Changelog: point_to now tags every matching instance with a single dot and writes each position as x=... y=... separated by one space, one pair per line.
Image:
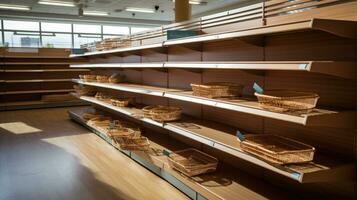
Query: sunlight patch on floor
x=19 y=128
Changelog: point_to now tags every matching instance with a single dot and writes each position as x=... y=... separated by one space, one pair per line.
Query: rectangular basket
x=277 y=149
x=88 y=78
x=133 y=144
x=120 y=102
x=102 y=79
x=218 y=89
x=162 y=113
x=284 y=101
x=192 y=162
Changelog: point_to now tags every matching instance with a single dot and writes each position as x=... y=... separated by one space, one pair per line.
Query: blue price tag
x=257 y=88
x=165 y=152
x=240 y=136
x=295 y=175
x=302 y=66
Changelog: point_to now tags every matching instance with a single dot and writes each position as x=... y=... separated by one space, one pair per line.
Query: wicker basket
x=133 y=144
x=123 y=132
x=277 y=149
x=162 y=113
x=83 y=91
x=283 y=101
x=192 y=162
x=102 y=79
x=218 y=89
x=116 y=78
x=120 y=102
x=88 y=78
x=89 y=116
x=102 y=96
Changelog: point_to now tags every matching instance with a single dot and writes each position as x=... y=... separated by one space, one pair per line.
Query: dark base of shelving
x=42 y=105
x=151 y=167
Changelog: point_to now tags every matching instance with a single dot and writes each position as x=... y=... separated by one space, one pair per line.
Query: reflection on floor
x=43 y=155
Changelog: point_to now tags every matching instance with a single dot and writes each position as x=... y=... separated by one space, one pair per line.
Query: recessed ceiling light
x=195 y=2
x=95 y=13
x=57 y=3
x=144 y=10
x=14 y=7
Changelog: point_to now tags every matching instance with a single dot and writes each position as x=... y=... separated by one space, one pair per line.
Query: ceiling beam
x=87 y=19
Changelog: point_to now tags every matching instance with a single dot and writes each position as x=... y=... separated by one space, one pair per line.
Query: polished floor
x=44 y=155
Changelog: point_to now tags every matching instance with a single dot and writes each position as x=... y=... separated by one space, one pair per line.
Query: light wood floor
x=44 y=155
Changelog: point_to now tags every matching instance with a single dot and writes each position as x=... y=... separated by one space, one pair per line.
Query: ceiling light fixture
x=57 y=3
x=195 y=2
x=95 y=13
x=14 y=7
x=144 y=10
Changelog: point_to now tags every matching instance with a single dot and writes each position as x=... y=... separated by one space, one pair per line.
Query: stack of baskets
x=162 y=113
x=112 y=43
x=217 y=89
x=127 y=137
x=277 y=149
x=192 y=162
x=286 y=101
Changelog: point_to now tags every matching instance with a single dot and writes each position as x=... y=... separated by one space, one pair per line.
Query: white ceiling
x=116 y=8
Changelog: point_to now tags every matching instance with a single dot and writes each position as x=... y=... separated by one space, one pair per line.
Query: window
x=117 y=30
x=82 y=28
x=139 y=29
x=21 y=25
x=80 y=39
x=110 y=36
x=22 y=39
x=56 y=27
x=57 y=40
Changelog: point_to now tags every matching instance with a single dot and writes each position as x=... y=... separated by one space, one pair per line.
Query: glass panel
x=21 y=25
x=56 y=40
x=22 y=39
x=110 y=36
x=118 y=30
x=1 y=43
x=82 y=28
x=55 y=27
x=139 y=29
x=80 y=39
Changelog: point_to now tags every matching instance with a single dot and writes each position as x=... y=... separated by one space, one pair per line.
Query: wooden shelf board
x=334 y=68
x=119 y=65
x=225 y=183
x=118 y=50
x=223 y=138
x=318 y=117
x=38 y=63
x=45 y=70
x=37 y=91
x=330 y=26
x=140 y=89
x=37 y=104
x=37 y=81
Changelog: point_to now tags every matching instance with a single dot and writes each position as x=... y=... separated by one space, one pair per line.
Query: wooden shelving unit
x=310 y=50
x=29 y=73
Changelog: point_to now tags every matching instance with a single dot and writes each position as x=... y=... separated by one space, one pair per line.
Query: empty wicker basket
x=116 y=78
x=277 y=149
x=120 y=102
x=82 y=90
x=133 y=144
x=102 y=79
x=192 y=162
x=283 y=101
x=88 y=78
x=162 y=113
x=218 y=89
x=102 y=96
x=123 y=132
